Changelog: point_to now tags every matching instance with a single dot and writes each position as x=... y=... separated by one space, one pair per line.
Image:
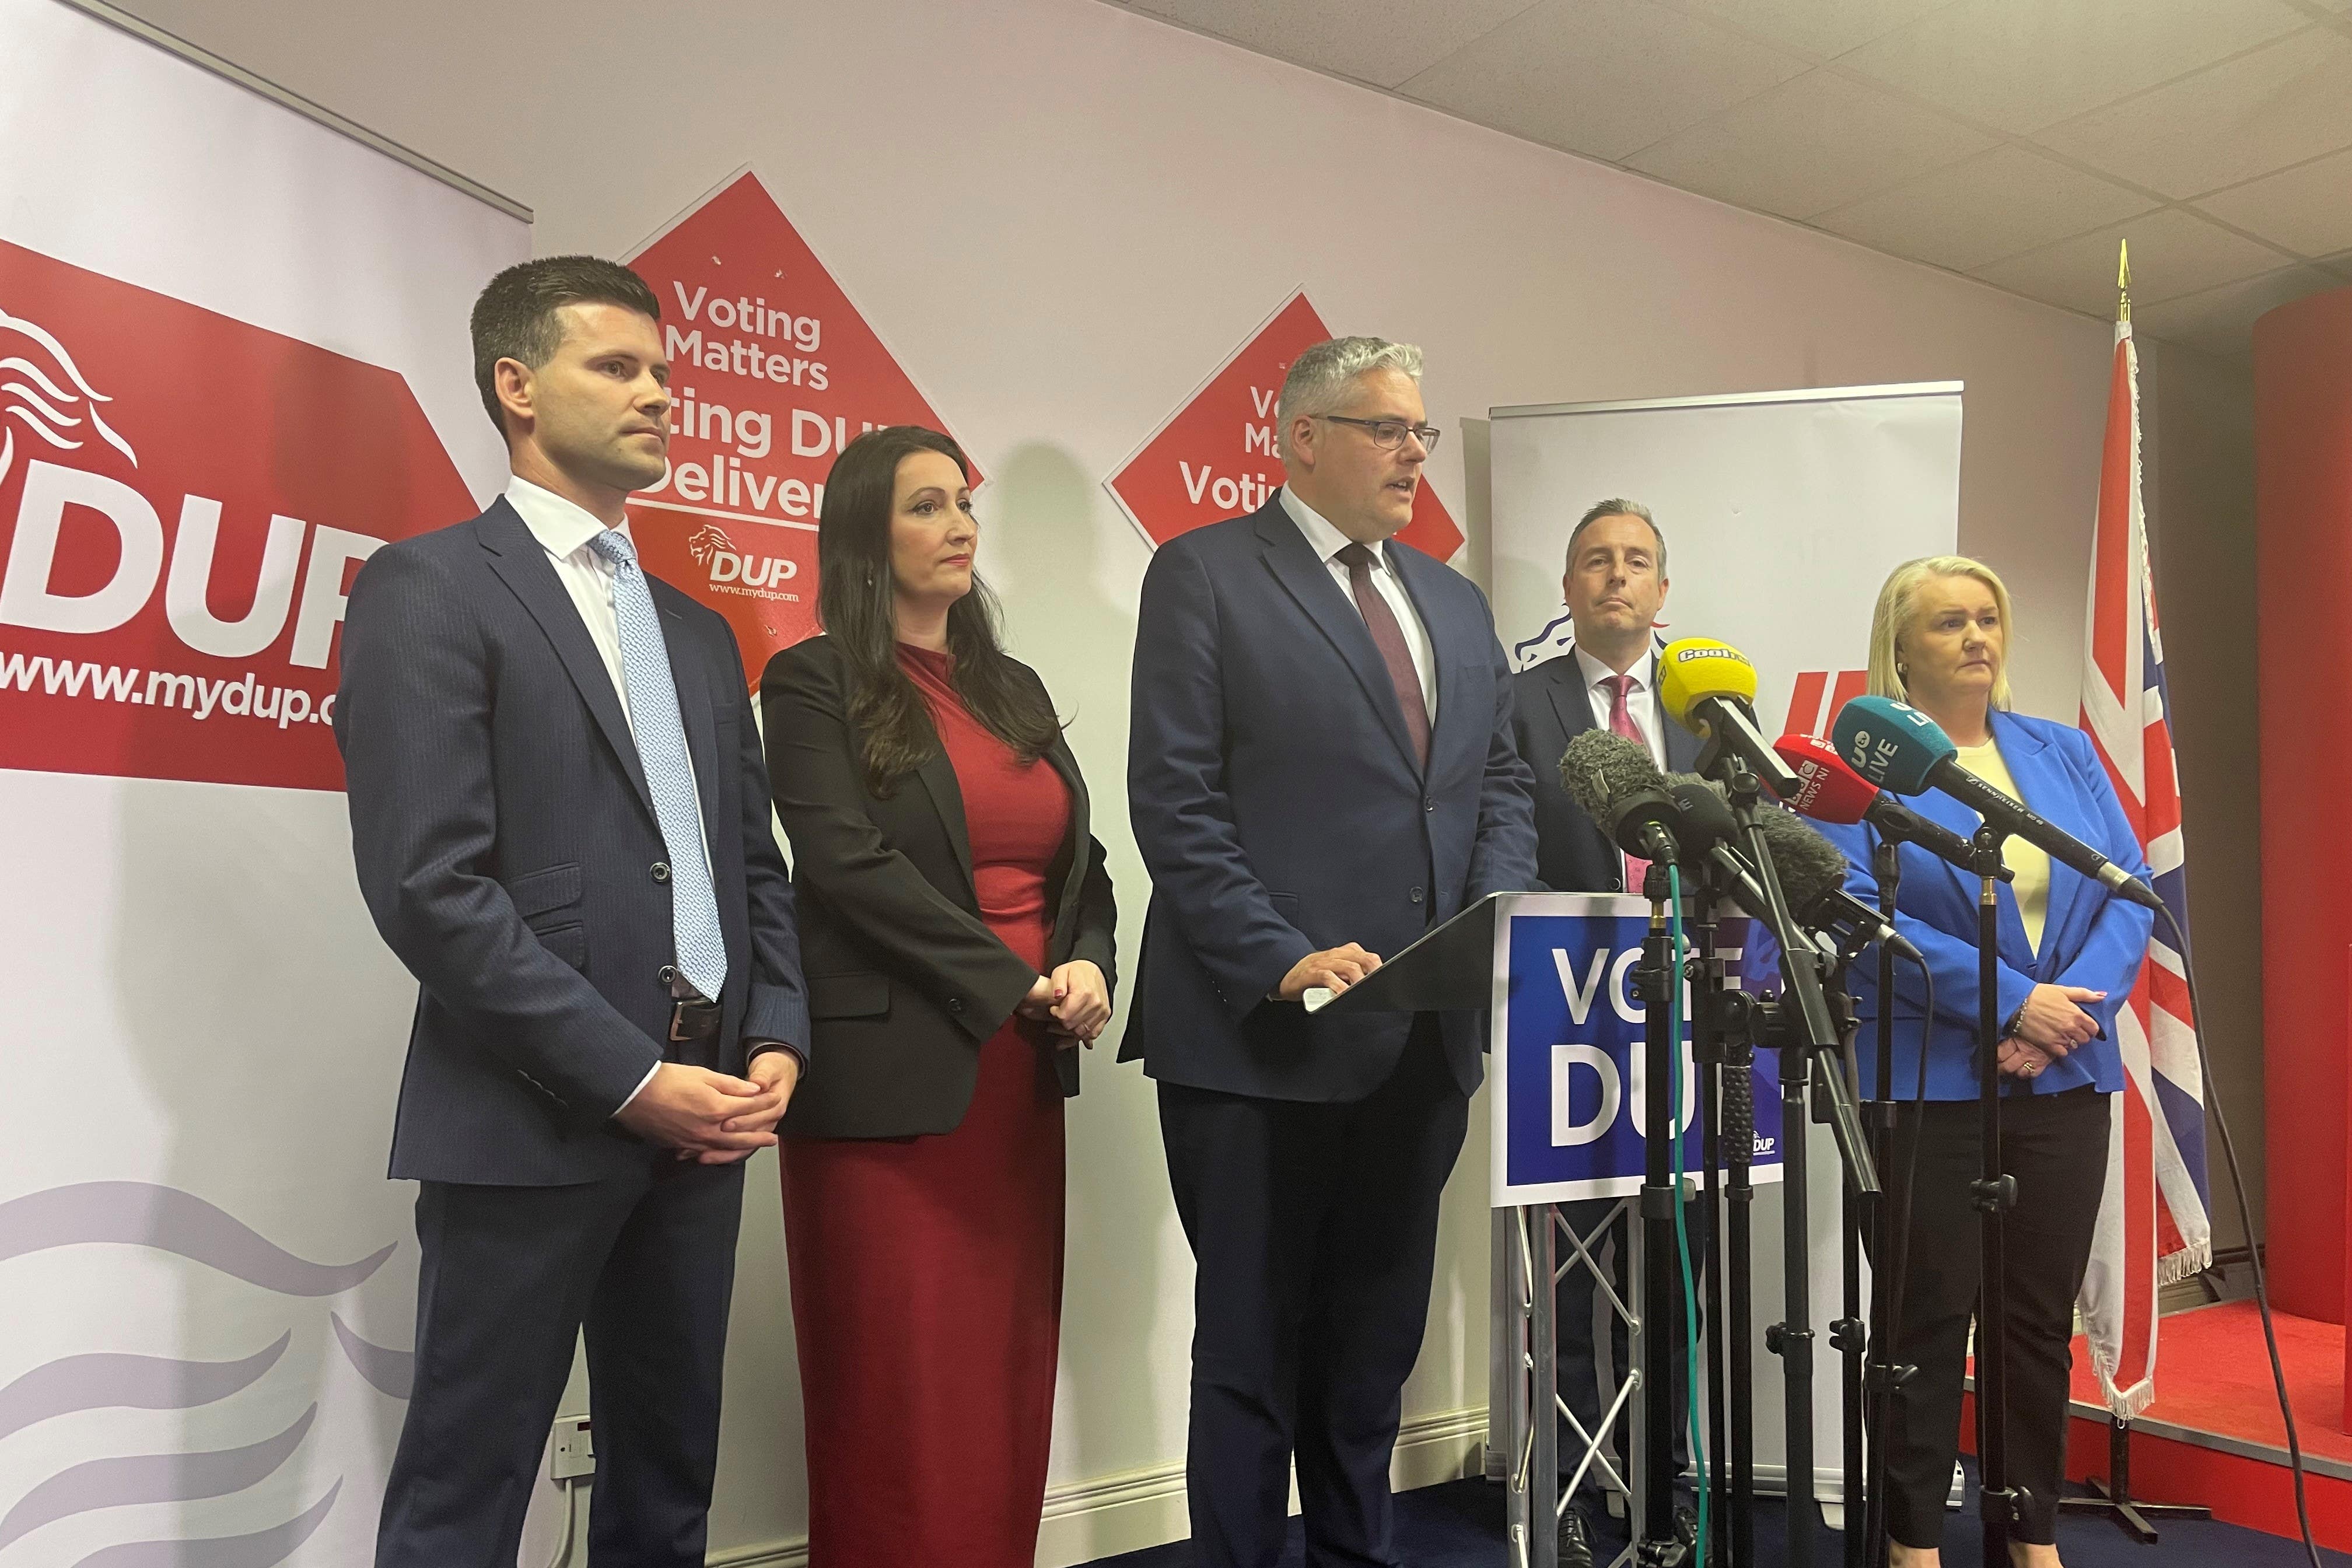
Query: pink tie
x=1621 y=723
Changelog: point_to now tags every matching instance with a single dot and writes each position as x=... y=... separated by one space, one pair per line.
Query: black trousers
x=509 y=1276
x=1313 y=1233
x=1577 y=1297
x=2055 y=1145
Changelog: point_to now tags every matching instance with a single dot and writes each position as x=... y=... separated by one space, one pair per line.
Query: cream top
x=2029 y=865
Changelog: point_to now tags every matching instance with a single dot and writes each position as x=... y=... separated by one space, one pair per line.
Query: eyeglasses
x=1388 y=434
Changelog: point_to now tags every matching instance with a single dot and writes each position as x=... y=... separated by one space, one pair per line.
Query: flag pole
x=2113 y=1498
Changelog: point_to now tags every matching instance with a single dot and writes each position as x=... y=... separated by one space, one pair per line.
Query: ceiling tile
x=1982 y=208
x=1379 y=41
x=2173 y=253
x=2307 y=209
x=2281 y=104
x=1820 y=142
x=2222 y=320
x=2021 y=65
x=1605 y=77
x=1824 y=28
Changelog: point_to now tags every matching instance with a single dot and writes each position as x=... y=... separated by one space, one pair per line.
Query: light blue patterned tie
x=661 y=749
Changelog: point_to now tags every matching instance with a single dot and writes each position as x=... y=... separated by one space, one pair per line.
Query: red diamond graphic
x=1214 y=458
x=774 y=372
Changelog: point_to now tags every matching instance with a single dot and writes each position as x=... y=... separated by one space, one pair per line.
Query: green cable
x=1682 y=1227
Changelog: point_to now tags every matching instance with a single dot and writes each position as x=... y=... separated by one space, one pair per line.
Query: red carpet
x=2214 y=1437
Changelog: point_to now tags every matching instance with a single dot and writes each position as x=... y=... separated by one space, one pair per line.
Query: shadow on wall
x=1065 y=564
x=264 y=1017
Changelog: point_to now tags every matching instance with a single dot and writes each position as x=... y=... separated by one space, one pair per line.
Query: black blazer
x=906 y=981
x=507 y=846
x=1549 y=705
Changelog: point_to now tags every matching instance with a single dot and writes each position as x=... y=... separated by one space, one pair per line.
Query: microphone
x=1811 y=869
x=1622 y=791
x=1813 y=878
x=1832 y=792
x=1706 y=686
x=1899 y=748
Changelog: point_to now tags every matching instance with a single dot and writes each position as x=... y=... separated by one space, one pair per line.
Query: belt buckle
x=677 y=1023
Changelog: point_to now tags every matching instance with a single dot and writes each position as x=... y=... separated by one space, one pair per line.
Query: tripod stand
x=1804 y=1027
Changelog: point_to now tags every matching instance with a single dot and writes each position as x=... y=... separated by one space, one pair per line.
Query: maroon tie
x=1621 y=723
x=1389 y=637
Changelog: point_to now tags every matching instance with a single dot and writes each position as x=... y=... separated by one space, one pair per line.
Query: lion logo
x=42 y=389
x=707 y=542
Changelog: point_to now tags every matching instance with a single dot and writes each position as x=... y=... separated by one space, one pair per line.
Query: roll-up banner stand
x=232 y=329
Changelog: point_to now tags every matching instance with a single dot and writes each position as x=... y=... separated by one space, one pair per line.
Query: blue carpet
x=1460 y=1525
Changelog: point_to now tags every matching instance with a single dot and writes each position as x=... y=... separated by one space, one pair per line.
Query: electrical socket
x=573 y=1452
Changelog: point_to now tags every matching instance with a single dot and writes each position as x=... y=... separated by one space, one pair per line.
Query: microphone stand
x=1994 y=1194
x=1654 y=981
x=1791 y=1339
x=1884 y=1379
x=1728 y=1135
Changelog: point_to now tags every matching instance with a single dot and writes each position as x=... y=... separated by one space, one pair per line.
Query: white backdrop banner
x=233 y=363
x=1783 y=513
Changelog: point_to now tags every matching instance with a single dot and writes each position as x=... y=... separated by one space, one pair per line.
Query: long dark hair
x=858 y=606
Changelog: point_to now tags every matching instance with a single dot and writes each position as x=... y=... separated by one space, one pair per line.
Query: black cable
x=2246 y=1218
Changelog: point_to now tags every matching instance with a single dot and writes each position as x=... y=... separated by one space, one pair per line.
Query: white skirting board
x=1101 y=1517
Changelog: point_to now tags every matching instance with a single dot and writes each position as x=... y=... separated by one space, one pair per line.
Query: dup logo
x=1572 y=1098
x=185 y=498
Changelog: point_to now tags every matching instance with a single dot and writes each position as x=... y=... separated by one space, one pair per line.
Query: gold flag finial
x=2123 y=280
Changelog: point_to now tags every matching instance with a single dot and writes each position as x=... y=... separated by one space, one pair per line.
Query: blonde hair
x=1899 y=606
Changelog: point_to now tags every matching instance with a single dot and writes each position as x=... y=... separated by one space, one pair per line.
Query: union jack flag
x=2153 y=1227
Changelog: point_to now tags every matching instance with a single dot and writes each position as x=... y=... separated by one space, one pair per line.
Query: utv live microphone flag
x=2153 y=1226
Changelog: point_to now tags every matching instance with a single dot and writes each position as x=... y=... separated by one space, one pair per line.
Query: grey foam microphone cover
x=1810 y=865
x=1599 y=769
x=1707 y=810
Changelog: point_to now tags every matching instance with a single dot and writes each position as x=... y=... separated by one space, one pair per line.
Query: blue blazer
x=1275 y=795
x=508 y=849
x=2089 y=937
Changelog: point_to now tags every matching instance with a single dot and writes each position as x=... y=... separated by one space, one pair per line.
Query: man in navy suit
x=1614 y=585
x=1321 y=769
x=561 y=820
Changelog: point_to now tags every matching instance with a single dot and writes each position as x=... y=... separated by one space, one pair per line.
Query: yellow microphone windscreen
x=1697 y=667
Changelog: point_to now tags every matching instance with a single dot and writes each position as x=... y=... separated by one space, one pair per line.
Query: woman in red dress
x=956 y=928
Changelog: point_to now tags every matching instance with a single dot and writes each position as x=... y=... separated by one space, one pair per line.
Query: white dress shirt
x=564 y=530
x=1641 y=703
x=1327 y=542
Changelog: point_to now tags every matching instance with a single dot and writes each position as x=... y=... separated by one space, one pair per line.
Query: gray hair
x=1617 y=506
x=1321 y=376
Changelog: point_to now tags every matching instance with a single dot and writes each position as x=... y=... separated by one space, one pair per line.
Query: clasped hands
x=2051 y=1024
x=1074 y=1003
x=713 y=1118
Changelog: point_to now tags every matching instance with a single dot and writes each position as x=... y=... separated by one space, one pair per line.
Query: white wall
x=1061 y=216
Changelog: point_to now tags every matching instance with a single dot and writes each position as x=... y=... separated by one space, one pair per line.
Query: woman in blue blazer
x=2070 y=952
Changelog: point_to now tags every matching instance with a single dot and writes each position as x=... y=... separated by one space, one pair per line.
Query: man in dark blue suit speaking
x=560 y=819
x=1321 y=768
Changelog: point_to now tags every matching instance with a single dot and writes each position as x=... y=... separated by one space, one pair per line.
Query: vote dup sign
x=1569 y=1087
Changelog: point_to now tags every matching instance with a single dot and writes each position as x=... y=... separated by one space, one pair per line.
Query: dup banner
x=232 y=364
x=1571 y=1096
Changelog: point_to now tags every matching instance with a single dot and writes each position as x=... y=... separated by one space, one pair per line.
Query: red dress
x=927 y=1272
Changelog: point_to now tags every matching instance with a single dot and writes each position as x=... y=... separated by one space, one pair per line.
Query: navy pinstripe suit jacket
x=508 y=849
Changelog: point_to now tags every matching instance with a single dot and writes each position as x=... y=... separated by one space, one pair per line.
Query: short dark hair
x=1617 y=506
x=515 y=317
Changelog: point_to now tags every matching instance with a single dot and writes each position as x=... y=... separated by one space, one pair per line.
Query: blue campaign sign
x=1569 y=1089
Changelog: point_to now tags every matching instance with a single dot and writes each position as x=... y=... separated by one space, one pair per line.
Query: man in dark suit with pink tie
x=1614 y=585
x=1321 y=769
